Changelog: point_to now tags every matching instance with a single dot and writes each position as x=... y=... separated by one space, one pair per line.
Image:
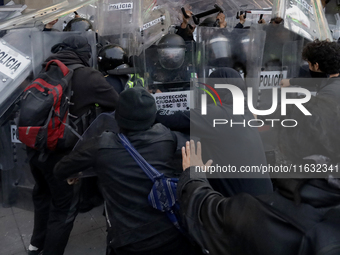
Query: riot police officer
x=114 y=63
x=169 y=63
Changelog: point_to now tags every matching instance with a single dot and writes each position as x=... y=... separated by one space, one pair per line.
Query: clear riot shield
x=45 y=15
x=305 y=18
x=198 y=6
x=15 y=48
x=118 y=22
x=281 y=60
x=239 y=49
x=87 y=12
x=35 y=46
x=42 y=42
x=155 y=25
x=16 y=60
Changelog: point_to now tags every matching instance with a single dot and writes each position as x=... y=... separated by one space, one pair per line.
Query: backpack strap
x=149 y=170
x=75 y=66
x=163 y=193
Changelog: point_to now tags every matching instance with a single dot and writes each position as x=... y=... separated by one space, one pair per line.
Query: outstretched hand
x=191 y=158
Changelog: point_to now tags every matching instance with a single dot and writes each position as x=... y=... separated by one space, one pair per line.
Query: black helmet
x=112 y=56
x=171 y=51
x=79 y=24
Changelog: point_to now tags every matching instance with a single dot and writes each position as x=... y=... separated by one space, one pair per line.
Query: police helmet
x=112 y=56
x=79 y=24
x=219 y=46
x=171 y=51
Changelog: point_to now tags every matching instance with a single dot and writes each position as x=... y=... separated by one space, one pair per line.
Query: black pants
x=55 y=207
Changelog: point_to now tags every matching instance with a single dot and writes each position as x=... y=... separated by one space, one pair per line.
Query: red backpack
x=44 y=122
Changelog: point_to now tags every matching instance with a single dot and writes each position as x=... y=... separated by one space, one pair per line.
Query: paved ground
x=87 y=237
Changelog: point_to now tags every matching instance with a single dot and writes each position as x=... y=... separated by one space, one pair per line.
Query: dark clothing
x=239 y=25
x=134 y=227
x=178 y=121
x=55 y=202
x=88 y=85
x=330 y=88
x=185 y=33
x=235 y=145
x=117 y=82
x=55 y=206
x=266 y=225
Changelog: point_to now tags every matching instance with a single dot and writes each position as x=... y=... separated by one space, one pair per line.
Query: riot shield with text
x=16 y=60
x=35 y=47
x=155 y=25
x=16 y=73
x=118 y=22
x=281 y=60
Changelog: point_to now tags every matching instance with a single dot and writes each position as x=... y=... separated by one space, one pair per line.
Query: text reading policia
x=8 y=61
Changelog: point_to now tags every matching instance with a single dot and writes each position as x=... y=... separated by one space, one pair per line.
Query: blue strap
x=149 y=170
x=163 y=193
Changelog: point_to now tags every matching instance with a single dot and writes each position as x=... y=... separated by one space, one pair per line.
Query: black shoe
x=37 y=252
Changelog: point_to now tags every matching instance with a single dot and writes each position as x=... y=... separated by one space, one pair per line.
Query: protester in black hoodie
x=56 y=202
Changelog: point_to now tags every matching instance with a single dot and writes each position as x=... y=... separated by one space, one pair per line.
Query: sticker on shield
x=12 y=63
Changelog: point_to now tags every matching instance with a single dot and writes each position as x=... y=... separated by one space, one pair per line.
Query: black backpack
x=44 y=122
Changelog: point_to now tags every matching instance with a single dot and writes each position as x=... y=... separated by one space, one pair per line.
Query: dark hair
x=314 y=135
x=325 y=53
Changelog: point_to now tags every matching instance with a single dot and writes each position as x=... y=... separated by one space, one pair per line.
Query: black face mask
x=317 y=74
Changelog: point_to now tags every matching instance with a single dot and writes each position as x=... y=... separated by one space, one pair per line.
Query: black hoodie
x=88 y=85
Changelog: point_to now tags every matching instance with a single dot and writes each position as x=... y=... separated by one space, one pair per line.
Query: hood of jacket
x=67 y=58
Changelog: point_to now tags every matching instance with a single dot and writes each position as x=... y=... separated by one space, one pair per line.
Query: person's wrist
x=184 y=24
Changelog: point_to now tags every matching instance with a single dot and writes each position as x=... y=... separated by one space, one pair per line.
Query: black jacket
x=265 y=225
x=88 y=85
x=330 y=88
x=134 y=226
x=89 y=88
